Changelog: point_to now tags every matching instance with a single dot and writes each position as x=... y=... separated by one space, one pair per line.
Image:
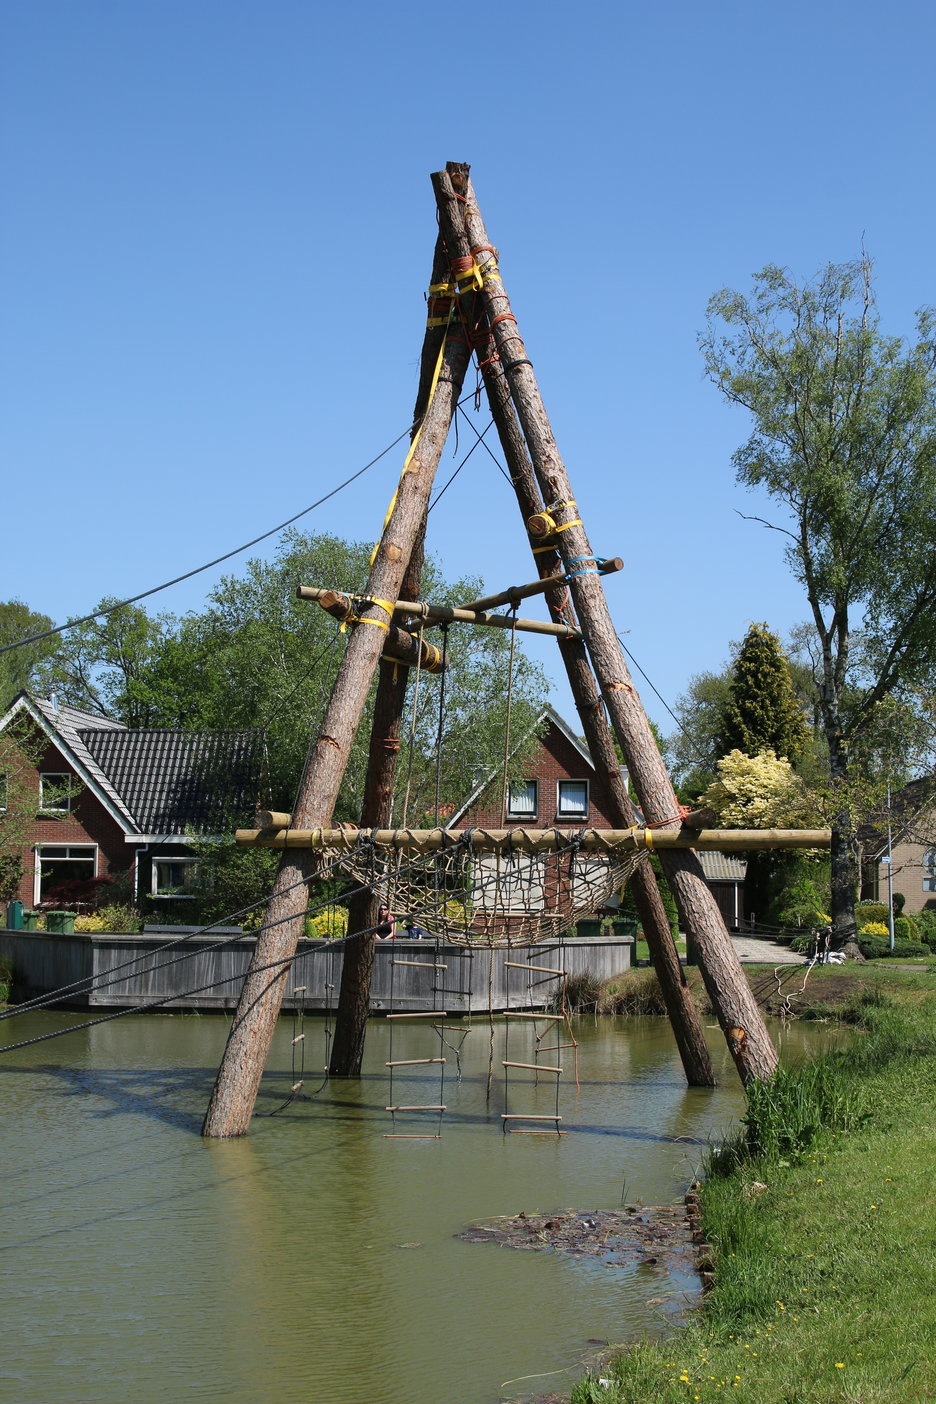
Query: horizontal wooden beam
x=515 y=593
x=342 y=607
x=539 y=840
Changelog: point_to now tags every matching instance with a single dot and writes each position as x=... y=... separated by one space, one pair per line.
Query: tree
x=22 y=668
x=761 y=711
x=844 y=439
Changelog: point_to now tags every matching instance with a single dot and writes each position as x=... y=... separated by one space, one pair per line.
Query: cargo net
x=497 y=898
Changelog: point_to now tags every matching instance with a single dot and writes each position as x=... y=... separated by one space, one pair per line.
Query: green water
x=316 y=1259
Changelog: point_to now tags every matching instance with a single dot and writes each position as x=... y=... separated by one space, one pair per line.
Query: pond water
x=315 y=1260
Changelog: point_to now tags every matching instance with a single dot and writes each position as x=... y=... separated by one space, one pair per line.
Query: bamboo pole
x=465 y=228
x=245 y=1054
x=633 y=840
x=732 y=999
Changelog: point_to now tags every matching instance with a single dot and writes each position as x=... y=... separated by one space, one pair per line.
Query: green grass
x=821 y=1216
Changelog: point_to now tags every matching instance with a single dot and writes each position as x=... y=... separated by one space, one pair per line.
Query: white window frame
x=513 y=813
x=63 y=779
x=170 y=896
x=564 y=814
x=86 y=850
x=929 y=870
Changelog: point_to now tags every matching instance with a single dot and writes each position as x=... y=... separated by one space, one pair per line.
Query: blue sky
x=216 y=233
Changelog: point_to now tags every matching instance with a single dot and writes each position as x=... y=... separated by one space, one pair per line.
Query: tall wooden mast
x=464 y=231
x=238 y=1080
x=734 y=1004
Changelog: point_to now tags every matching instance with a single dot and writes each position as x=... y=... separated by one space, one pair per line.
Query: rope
x=510 y=677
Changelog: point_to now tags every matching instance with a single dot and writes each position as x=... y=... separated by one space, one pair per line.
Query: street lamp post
x=890 y=871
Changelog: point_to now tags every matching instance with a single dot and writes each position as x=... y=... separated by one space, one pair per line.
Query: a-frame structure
x=469 y=313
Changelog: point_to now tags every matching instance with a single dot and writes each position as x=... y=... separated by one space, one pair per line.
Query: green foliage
x=926 y=924
x=329 y=924
x=906 y=929
x=760 y=792
x=761 y=712
x=228 y=879
x=786 y=1115
x=694 y=751
x=879 y=948
x=22 y=669
x=870 y=911
x=116 y=917
x=844 y=442
x=803 y=895
x=874 y=928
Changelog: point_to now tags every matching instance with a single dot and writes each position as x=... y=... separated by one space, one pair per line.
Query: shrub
x=898 y=903
x=582 y=993
x=328 y=924
x=878 y=947
x=874 y=928
x=926 y=923
x=906 y=929
x=115 y=918
x=871 y=911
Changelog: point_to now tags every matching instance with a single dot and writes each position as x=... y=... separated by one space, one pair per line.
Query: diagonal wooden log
x=465 y=231
x=248 y=1044
x=728 y=990
x=357 y=966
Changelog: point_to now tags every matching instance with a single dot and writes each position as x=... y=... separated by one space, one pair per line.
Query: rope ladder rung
x=535 y=1067
x=411 y=1062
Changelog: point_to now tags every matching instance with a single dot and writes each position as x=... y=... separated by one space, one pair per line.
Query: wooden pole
x=342 y=607
x=633 y=840
x=465 y=228
x=357 y=966
x=238 y=1079
x=515 y=593
x=734 y=1004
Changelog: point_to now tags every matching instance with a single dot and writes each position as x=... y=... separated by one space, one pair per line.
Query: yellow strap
x=566 y=525
x=412 y=448
x=388 y=606
x=356 y=619
x=489 y=270
x=648 y=833
x=438 y=321
x=471 y=278
x=446 y=289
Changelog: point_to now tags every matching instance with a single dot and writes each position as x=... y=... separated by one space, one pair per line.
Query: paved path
x=754 y=952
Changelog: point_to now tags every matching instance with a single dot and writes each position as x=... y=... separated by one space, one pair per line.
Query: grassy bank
x=823 y=1230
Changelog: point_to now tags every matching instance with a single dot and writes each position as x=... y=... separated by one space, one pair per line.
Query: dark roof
x=174 y=781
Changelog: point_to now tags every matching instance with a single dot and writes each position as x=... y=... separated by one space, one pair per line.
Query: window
x=521 y=799
x=55 y=793
x=929 y=870
x=572 y=800
x=174 y=877
x=62 y=863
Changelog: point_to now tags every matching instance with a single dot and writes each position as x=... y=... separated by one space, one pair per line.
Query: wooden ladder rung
x=414 y=1136
x=415 y=1108
x=422 y=964
x=299 y=1038
x=420 y=1014
x=520 y=1116
x=554 y=1047
x=300 y=989
x=537 y=1067
x=411 y=1062
x=513 y=1014
x=522 y=965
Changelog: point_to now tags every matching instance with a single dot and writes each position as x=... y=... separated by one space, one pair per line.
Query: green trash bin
x=30 y=921
x=14 y=916
x=624 y=927
x=588 y=929
x=60 y=923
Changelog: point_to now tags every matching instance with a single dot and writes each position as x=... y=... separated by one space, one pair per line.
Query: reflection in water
x=316 y=1259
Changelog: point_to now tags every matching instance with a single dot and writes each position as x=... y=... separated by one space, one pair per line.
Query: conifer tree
x=761 y=712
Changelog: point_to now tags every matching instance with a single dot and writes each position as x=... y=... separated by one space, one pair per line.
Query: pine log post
x=347 y=1052
x=465 y=229
x=238 y=1079
x=734 y=1004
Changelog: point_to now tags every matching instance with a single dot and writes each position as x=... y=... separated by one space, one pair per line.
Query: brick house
x=96 y=800
x=563 y=787
x=912 y=848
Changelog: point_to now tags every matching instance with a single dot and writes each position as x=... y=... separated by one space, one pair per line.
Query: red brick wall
x=557 y=759
x=88 y=822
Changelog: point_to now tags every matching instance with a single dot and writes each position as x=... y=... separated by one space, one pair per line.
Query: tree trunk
x=683 y=1014
x=731 y=997
x=248 y=1044
x=843 y=863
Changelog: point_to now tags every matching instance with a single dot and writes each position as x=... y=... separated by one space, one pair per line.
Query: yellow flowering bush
x=875 y=928
x=328 y=924
x=760 y=792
